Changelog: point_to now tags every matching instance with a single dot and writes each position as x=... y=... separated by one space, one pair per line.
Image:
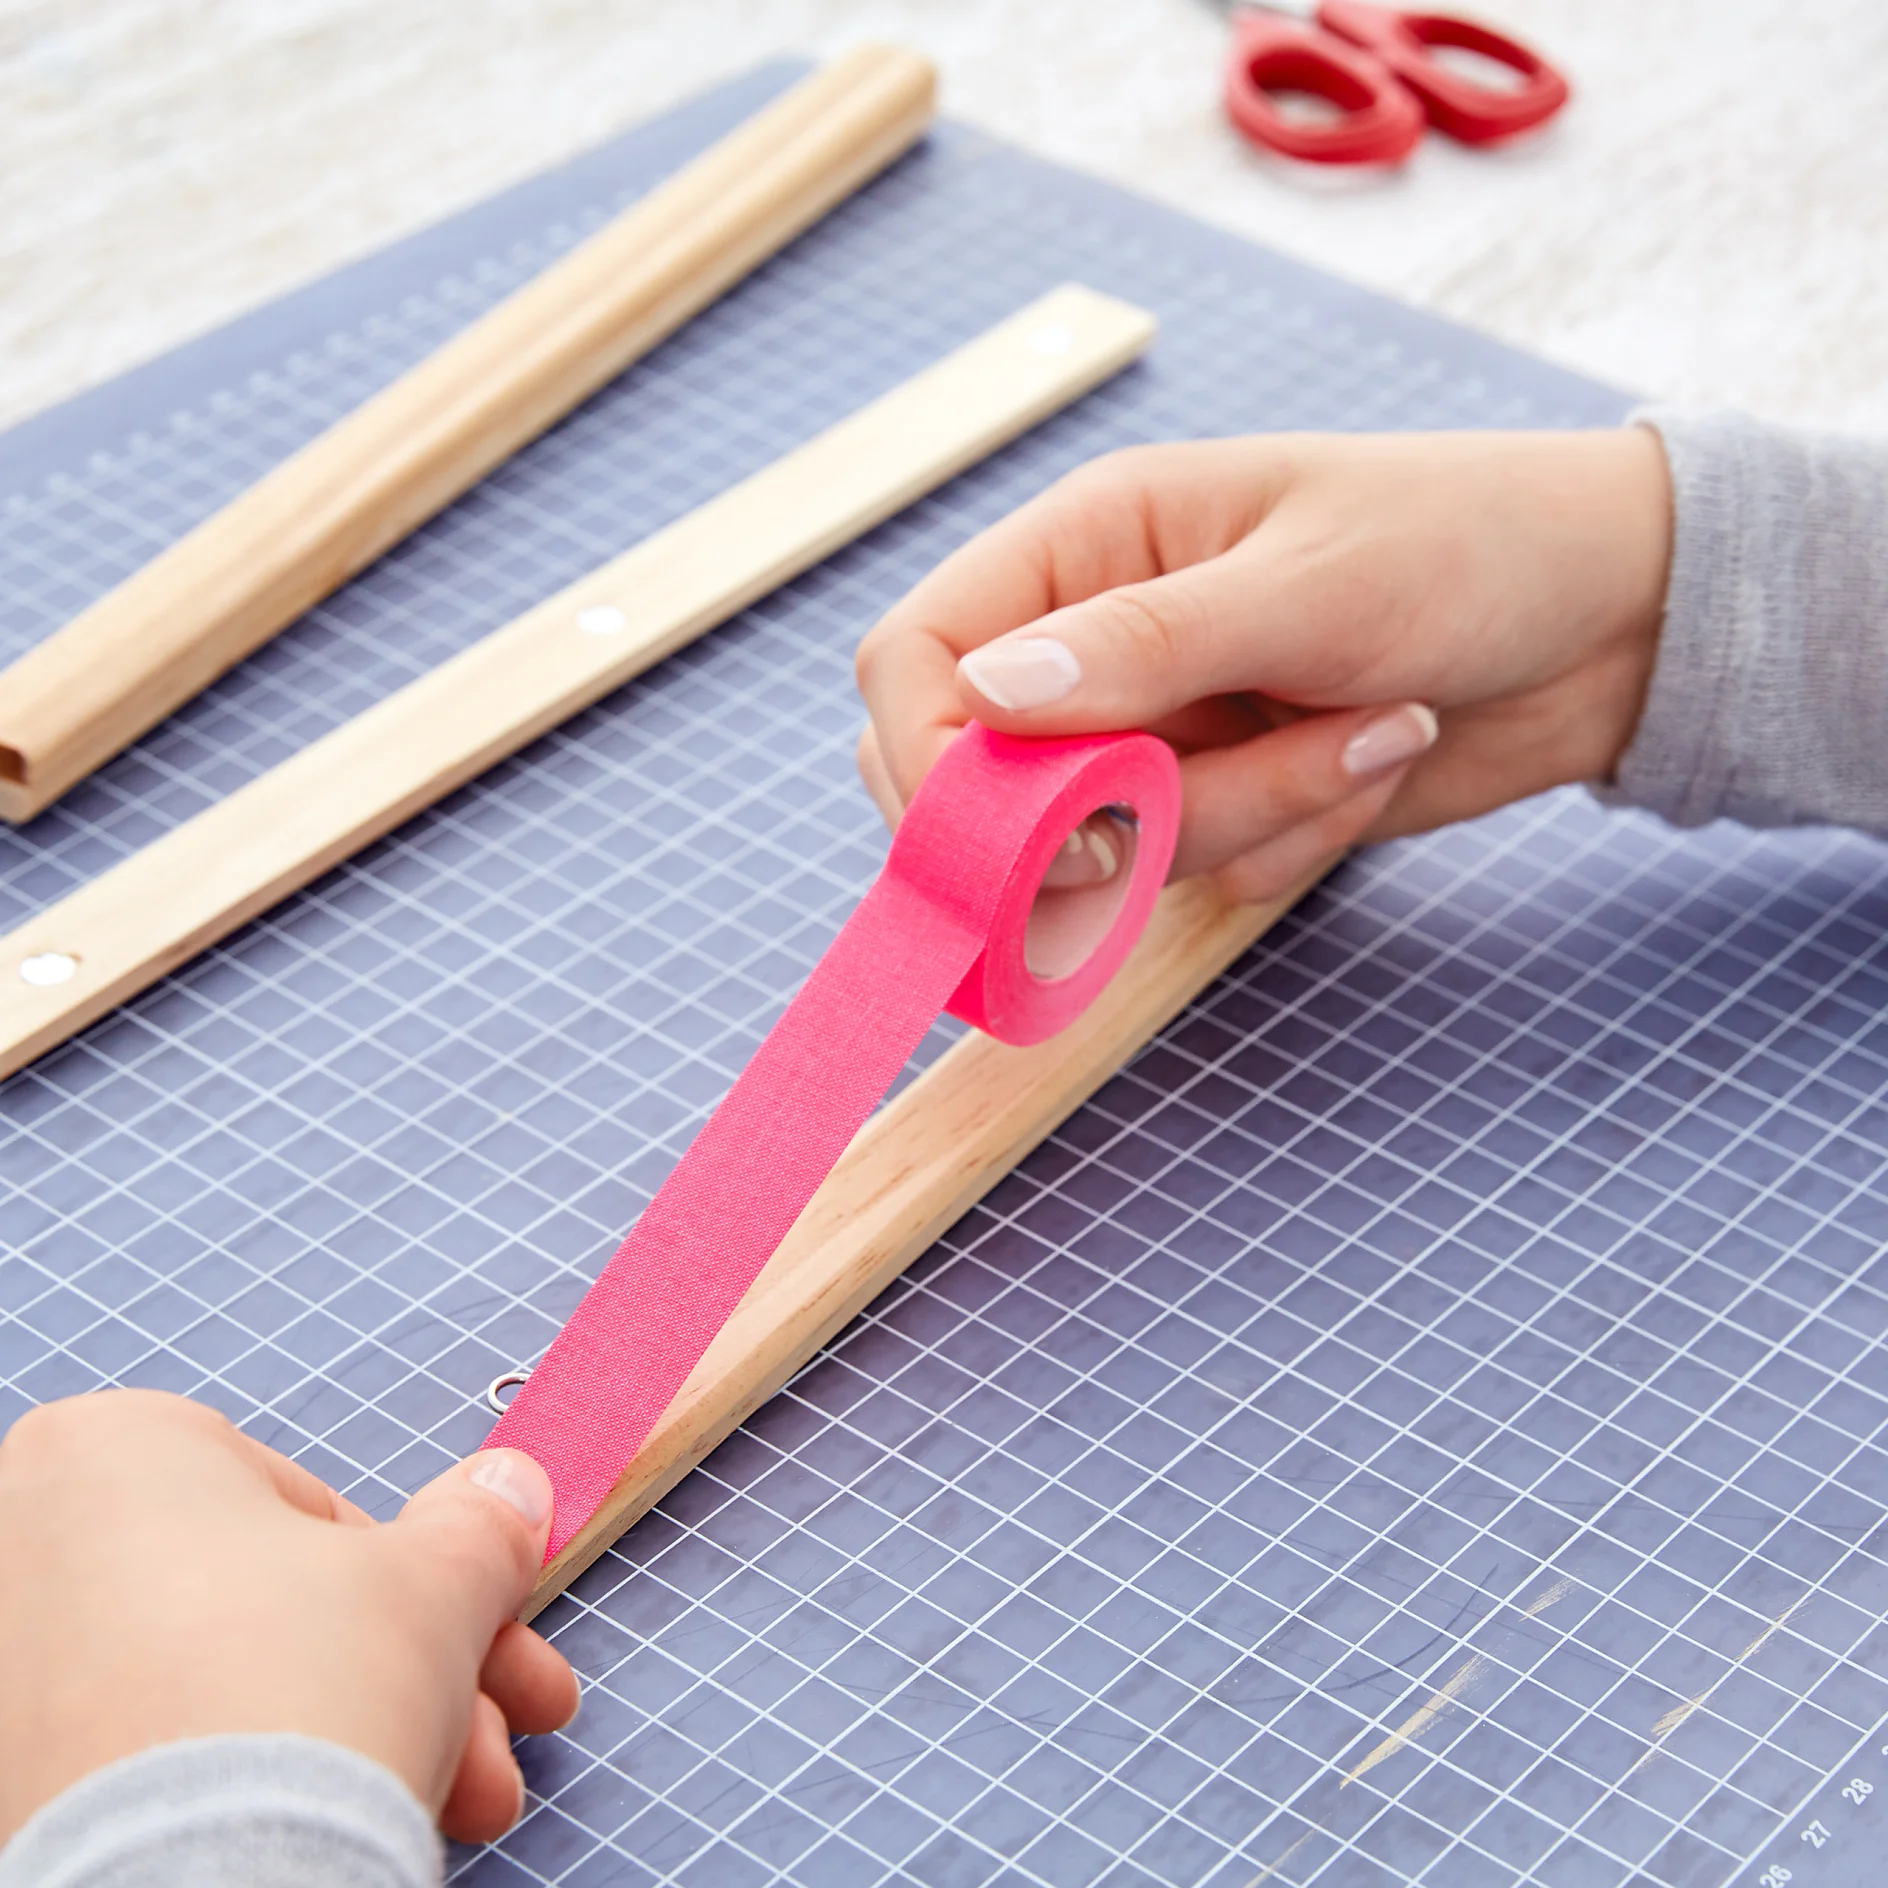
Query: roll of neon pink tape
x=957 y=920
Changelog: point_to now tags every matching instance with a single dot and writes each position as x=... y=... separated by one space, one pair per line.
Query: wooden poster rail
x=330 y=509
x=920 y=1163
x=70 y=963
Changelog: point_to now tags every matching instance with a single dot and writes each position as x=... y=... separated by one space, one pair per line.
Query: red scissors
x=1378 y=66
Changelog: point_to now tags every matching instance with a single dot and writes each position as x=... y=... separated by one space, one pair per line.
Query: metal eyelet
x=495 y=1400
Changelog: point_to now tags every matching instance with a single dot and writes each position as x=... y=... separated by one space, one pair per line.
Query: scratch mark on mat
x=1680 y=1712
x=1549 y=1596
x=1422 y=1717
x=1271 y=1868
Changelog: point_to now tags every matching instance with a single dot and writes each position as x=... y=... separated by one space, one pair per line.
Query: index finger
x=1083 y=535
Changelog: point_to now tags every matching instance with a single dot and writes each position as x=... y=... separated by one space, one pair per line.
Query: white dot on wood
x=48 y=968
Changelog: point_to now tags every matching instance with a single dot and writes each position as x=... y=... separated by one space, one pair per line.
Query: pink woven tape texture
x=957 y=920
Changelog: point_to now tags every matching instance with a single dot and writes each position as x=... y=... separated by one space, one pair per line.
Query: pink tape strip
x=954 y=922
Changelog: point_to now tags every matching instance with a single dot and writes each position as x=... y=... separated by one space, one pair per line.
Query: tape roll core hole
x=1066 y=923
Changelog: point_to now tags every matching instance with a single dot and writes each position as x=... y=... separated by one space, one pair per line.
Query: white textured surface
x=1709 y=221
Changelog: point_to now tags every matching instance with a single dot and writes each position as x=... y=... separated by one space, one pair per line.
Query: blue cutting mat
x=1422 y=1422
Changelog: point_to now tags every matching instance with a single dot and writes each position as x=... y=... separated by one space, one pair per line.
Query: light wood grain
x=160 y=907
x=919 y=1164
x=331 y=508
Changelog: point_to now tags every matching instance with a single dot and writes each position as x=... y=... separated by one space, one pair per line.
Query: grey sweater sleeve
x=230 y=1812
x=1769 y=700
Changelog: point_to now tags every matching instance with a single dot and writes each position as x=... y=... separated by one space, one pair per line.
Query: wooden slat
x=928 y=1156
x=228 y=586
x=112 y=937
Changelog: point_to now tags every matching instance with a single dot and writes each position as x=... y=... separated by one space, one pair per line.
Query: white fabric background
x=1709 y=221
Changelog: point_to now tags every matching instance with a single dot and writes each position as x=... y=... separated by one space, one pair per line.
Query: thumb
x=478 y=1534
x=1129 y=657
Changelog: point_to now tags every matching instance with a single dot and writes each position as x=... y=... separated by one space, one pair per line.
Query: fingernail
x=516 y=1479
x=1087 y=858
x=1400 y=735
x=1022 y=671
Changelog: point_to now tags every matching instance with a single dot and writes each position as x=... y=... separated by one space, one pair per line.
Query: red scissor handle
x=1472 y=113
x=1382 y=121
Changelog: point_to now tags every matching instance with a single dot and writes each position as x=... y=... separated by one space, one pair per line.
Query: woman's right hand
x=1345 y=638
